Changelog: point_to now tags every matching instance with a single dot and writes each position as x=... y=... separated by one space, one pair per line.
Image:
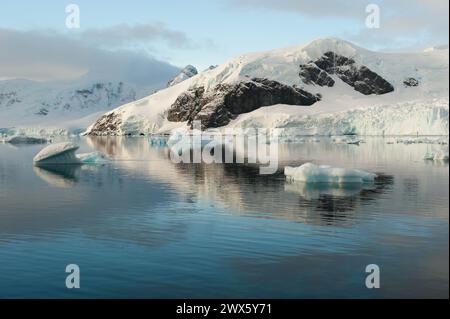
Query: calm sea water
x=144 y=227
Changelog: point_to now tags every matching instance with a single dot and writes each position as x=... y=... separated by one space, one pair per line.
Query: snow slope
x=27 y=105
x=422 y=109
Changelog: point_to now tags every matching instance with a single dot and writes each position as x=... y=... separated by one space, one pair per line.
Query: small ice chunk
x=311 y=173
x=351 y=140
x=92 y=158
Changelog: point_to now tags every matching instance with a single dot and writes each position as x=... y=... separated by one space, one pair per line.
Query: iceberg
x=25 y=140
x=311 y=173
x=351 y=140
x=59 y=153
x=92 y=158
x=64 y=153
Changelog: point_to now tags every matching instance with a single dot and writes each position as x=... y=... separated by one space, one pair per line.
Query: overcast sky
x=136 y=38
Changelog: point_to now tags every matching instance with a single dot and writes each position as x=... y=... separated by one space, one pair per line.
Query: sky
x=134 y=38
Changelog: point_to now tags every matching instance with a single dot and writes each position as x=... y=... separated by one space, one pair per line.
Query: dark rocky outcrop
x=411 y=82
x=361 y=78
x=107 y=125
x=218 y=106
x=311 y=73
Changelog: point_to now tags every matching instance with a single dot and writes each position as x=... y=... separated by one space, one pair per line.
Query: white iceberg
x=59 y=153
x=64 y=153
x=351 y=140
x=311 y=173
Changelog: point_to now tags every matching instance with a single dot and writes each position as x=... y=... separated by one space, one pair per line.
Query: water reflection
x=241 y=188
x=187 y=231
x=63 y=176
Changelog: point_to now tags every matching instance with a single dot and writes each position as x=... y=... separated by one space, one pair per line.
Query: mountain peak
x=337 y=45
x=186 y=73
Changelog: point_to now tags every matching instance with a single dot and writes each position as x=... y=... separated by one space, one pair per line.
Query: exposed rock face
x=310 y=73
x=188 y=72
x=217 y=107
x=107 y=125
x=410 y=82
x=361 y=78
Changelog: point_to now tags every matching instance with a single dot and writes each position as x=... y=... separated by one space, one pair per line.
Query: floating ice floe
x=64 y=153
x=92 y=158
x=311 y=173
x=25 y=140
x=437 y=156
x=351 y=140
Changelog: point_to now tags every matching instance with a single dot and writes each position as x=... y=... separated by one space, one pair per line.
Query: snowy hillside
x=359 y=92
x=41 y=108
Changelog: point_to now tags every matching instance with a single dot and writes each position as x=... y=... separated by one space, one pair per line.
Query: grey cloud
x=39 y=55
x=123 y=34
x=413 y=23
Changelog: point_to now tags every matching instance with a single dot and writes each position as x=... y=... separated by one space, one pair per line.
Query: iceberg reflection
x=61 y=176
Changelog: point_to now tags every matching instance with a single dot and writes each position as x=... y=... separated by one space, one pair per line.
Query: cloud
x=413 y=23
x=125 y=35
x=101 y=53
x=403 y=22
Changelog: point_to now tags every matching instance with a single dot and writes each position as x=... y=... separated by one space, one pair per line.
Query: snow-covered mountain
x=58 y=107
x=187 y=73
x=329 y=86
